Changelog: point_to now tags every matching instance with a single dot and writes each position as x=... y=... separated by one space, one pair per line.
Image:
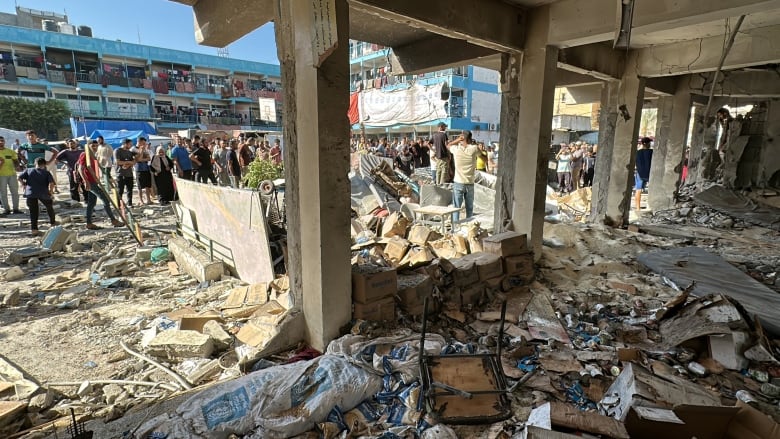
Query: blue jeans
x=92 y=196
x=460 y=193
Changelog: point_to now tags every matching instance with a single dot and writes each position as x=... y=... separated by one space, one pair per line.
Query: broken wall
x=751 y=158
x=233 y=218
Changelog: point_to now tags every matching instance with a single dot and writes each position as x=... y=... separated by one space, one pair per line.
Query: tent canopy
x=11 y=135
x=115 y=138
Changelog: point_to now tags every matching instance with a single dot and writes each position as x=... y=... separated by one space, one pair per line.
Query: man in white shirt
x=464 y=153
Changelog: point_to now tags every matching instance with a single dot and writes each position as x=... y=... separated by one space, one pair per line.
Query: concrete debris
x=177 y=344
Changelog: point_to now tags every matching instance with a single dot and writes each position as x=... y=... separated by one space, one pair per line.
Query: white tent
x=11 y=135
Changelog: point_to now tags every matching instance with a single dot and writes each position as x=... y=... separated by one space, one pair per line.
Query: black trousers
x=589 y=177
x=203 y=176
x=32 y=204
x=75 y=189
x=125 y=182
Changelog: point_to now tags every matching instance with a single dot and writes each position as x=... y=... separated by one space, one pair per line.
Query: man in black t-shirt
x=201 y=157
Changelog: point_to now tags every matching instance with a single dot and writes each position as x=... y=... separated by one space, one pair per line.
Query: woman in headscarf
x=161 y=166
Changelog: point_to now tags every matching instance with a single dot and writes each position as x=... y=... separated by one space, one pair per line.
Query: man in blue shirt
x=181 y=158
x=38 y=185
x=644 y=159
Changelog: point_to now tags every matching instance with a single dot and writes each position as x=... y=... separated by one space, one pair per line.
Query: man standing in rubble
x=644 y=159
x=442 y=154
x=181 y=159
x=125 y=160
x=87 y=166
x=464 y=153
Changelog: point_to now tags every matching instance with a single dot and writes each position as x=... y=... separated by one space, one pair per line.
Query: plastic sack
x=277 y=402
x=160 y=254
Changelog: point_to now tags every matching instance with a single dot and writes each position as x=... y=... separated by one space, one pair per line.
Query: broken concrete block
x=419 y=234
x=22 y=255
x=40 y=402
x=616 y=285
x=505 y=244
x=114 y=267
x=56 y=237
x=176 y=344
x=112 y=392
x=222 y=340
x=396 y=248
x=196 y=322
x=11 y=298
x=11 y=274
x=143 y=254
x=194 y=261
x=75 y=247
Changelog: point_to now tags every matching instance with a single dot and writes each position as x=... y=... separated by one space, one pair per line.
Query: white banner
x=267 y=109
x=408 y=106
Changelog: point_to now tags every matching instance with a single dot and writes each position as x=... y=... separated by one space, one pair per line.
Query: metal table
x=426 y=215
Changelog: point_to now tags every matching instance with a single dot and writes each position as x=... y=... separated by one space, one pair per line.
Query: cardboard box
x=396 y=248
x=471 y=295
x=464 y=273
x=461 y=245
x=395 y=225
x=444 y=248
x=419 y=234
x=701 y=422
x=505 y=244
x=521 y=266
x=371 y=283
x=378 y=311
x=412 y=291
x=488 y=265
x=417 y=256
x=638 y=387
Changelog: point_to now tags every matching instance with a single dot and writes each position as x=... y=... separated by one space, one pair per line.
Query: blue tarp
x=590 y=137
x=83 y=128
x=115 y=138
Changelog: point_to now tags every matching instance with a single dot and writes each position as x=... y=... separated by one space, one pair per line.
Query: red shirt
x=89 y=177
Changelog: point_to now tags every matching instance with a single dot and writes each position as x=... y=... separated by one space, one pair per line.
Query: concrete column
x=608 y=114
x=667 y=165
x=694 y=156
x=316 y=132
x=630 y=99
x=510 y=120
x=537 y=90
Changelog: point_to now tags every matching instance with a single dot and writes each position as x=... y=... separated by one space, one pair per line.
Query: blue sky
x=161 y=23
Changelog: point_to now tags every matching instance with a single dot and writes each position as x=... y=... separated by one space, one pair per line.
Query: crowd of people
x=576 y=164
x=32 y=167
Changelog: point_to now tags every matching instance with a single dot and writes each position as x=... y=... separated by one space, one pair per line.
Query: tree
x=42 y=116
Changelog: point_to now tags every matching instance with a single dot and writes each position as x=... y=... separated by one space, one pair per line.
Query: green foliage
x=42 y=116
x=260 y=170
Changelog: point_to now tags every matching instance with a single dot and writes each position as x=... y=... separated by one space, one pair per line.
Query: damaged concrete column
x=608 y=114
x=510 y=119
x=537 y=90
x=630 y=98
x=674 y=116
x=312 y=42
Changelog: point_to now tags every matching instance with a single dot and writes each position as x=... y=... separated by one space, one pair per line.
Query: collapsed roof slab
x=739 y=84
x=489 y=23
x=435 y=53
x=751 y=48
x=582 y=22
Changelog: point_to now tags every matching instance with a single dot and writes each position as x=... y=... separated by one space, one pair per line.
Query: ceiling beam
x=580 y=22
x=435 y=53
x=665 y=85
x=739 y=84
x=751 y=47
x=596 y=60
x=567 y=78
x=489 y=23
x=219 y=23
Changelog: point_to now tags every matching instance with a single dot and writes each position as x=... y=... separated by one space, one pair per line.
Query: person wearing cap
x=88 y=169
x=442 y=154
x=644 y=159
x=124 y=157
x=38 y=185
